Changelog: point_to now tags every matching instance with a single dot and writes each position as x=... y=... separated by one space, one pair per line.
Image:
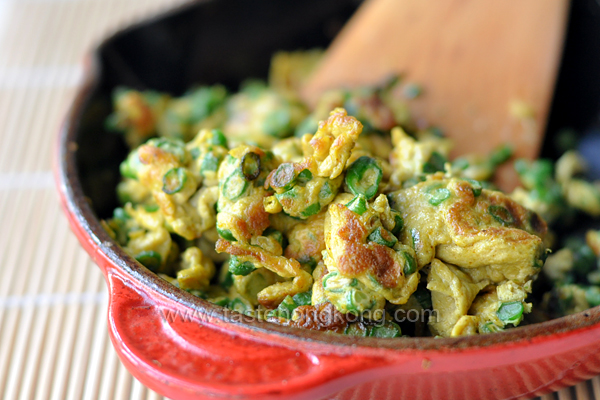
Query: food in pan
x=348 y=217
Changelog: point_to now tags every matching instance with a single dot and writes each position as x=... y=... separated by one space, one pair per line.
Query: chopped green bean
x=363 y=177
x=501 y=214
x=226 y=234
x=237 y=267
x=388 y=330
x=131 y=166
x=311 y=210
x=410 y=266
x=278 y=123
x=210 y=163
x=235 y=185
x=218 y=138
x=398 y=223
x=356 y=329
x=150 y=259
x=358 y=204
x=151 y=208
x=438 y=196
x=489 y=327
x=501 y=155
x=304 y=176
x=250 y=166
x=284 y=176
x=592 y=295
x=303 y=299
x=383 y=237
x=435 y=163
x=174 y=180
x=511 y=312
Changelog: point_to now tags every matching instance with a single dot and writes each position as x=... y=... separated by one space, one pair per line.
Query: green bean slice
x=358 y=204
x=383 y=237
x=410 y=266
x=438 y=196
x=388 y=330
x=150 y=259
x=218 y=138
x=501 y=214
x=235 y=185
x=210 y=163
x=237 y=267
x=284 y=176
x=174 y=180
x=226 y=234
x=363 y=177
x=250 y=166
x=511 y=312
x=311 y=210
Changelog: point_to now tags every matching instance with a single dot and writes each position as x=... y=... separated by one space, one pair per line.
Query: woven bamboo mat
x=53 y=337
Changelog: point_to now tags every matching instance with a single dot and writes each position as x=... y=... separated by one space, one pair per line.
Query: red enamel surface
x=193 y=356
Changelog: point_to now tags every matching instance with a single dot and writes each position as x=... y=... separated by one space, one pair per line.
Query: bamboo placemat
x=53 y=337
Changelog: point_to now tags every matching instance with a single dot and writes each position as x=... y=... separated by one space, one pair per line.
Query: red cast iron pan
x=187 y=348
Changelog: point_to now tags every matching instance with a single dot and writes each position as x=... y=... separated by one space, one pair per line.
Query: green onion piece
x=150 y=259
x=398 y=223
x=311 y=210
x=218 y=138
x=358 y=204
x=235 y=185
x=435 y=163
x=303 y=299
x=210 y=163
x=411 y=265
x=388 y=330
x=363 y=177
x=383 y=237
x=304 y=176
x=237 y=267
x=423 y=296
x=226 y=234
x=438 y=196
x=284 y=176
x=501 y=214
x=356 y=329
x=511 y=312
x=475 y=186
x=174 y=180
x=250 y=166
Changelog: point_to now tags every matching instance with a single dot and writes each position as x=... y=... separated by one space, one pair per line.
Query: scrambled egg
x=256 y=203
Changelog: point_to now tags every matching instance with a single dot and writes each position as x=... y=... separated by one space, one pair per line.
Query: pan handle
x=185 y=355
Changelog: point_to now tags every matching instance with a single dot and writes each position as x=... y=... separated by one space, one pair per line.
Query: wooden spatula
x=487 y=67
